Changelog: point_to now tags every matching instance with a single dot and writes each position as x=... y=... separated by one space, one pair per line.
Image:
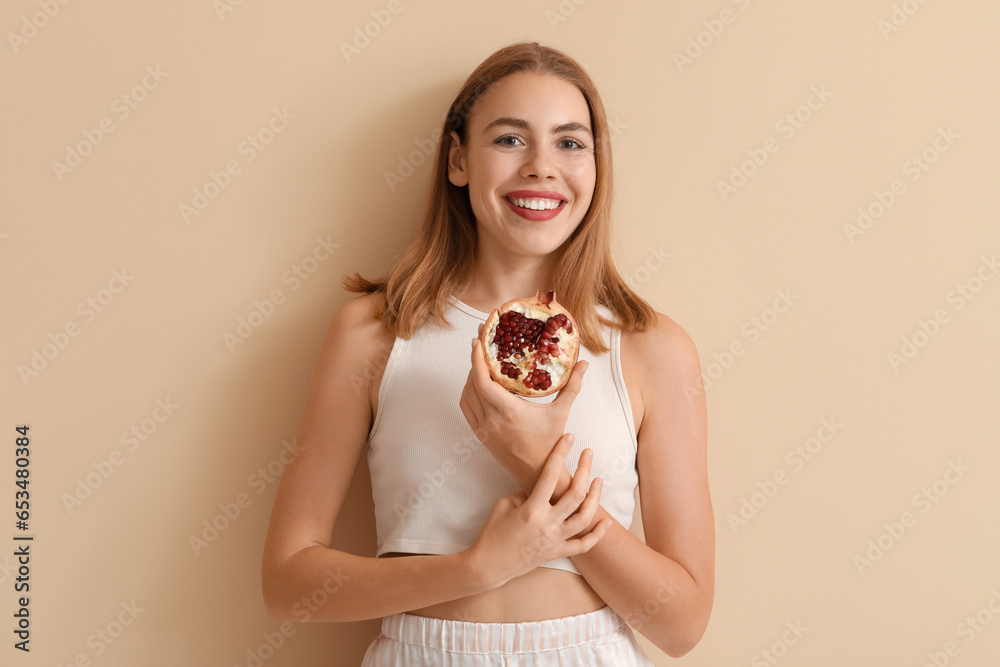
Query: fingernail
x=570 y=438
x=589 y=453
x=599 y=483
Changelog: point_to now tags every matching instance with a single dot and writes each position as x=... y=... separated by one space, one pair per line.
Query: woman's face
x=528 y=161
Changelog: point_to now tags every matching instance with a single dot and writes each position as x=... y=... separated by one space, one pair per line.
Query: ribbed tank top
x=434 y=482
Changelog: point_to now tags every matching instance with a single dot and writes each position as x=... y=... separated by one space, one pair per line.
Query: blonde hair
x=441 y=259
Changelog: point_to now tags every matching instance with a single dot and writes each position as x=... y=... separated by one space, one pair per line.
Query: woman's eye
x=514 y=140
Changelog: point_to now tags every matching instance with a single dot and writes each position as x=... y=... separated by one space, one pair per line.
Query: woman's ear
x=456 y=162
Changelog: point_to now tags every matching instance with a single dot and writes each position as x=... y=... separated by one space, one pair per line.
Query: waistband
x=526 y=637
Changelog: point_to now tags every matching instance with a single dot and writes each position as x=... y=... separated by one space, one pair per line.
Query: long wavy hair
x=441 y=259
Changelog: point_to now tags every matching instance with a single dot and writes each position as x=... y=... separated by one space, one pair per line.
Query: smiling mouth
x=536 y=203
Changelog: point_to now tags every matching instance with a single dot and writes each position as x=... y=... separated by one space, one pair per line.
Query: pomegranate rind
x=541 y=307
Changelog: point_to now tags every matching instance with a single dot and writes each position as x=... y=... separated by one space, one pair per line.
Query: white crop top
x=433 y=481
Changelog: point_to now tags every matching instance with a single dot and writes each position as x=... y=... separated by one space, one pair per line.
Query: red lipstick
x=533 y=214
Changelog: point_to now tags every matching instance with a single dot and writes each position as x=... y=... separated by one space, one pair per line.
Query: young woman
x=506 y=552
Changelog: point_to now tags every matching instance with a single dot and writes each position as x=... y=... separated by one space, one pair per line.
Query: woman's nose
x=539 y=162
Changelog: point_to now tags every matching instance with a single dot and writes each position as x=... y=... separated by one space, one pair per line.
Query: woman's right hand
x=522 y=532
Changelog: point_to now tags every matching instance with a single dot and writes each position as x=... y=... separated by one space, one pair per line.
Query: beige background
x=888 y=95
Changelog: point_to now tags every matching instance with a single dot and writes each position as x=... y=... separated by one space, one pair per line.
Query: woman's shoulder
x=357 y=324
x=660 y=365
x=662 y=348
x=359 y=310
x=357 y=347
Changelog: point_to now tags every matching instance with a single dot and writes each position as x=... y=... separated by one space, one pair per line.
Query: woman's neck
x=495 y=282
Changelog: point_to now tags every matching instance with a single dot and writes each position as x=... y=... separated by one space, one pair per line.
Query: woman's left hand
x=519 y=434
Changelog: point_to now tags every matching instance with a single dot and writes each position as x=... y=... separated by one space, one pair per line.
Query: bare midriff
x=541 y=594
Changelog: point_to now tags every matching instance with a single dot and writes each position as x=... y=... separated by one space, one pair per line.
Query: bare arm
x=322 y=585
x=665 y=587
x=303 y=578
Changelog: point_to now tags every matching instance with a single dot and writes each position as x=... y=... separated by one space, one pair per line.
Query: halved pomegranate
x=531 y=345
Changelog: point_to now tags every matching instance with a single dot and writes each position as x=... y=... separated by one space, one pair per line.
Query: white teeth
x=536 y=204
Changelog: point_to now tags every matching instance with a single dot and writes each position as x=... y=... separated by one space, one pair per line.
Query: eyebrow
x=572 y=126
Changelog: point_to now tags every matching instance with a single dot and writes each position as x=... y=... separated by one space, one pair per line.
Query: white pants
x=595 y=639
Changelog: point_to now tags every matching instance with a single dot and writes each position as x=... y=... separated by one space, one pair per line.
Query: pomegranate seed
x=538 y=379
x=515 y=332
x=509 y=369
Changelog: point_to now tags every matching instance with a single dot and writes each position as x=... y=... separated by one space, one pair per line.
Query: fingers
x=549 y=476
x=588 y=509
x=577 y=524
x=469 y=401
x=471 y=405
x=490 y=391
x=569 y=393
x=582 y=494
x=480 y=374
x=567 y=523
x=586 y=543
x=471 y=417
